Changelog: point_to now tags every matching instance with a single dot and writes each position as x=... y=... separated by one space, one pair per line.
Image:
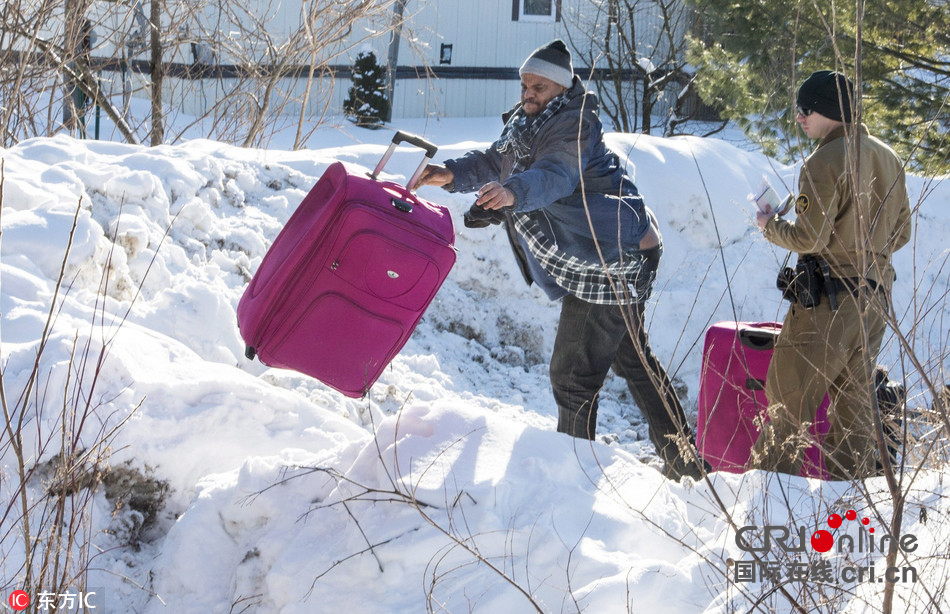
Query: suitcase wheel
x=250 y=352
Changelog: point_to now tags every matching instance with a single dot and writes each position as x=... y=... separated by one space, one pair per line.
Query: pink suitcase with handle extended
x=736 y=359
x=348 y=278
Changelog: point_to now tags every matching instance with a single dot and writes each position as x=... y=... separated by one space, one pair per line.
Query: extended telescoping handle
x=412 y=139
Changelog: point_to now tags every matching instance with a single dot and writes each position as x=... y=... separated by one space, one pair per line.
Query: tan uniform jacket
x=854 y=231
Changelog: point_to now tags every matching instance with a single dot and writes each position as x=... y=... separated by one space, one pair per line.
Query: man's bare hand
x=495 y=196
x=435 y=174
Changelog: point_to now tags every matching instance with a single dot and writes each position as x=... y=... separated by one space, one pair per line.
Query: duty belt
x=811 y=279
x=851 y=284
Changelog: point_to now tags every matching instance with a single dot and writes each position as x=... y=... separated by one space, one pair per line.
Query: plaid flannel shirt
x=617 y=283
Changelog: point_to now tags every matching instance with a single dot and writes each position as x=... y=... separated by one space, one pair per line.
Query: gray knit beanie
x=552 y=61
x=828 y=93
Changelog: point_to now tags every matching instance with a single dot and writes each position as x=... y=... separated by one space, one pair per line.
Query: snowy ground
x=451 y=468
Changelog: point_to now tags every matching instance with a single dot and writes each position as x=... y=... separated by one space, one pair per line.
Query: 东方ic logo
x=19 y=600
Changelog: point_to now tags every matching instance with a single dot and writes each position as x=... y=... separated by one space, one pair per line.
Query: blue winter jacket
x=553 y=187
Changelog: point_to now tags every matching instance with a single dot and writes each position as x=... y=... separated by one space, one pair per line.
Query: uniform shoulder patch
x=801 y=204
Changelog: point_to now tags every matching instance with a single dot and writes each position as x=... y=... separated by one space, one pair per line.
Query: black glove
x=476 y=217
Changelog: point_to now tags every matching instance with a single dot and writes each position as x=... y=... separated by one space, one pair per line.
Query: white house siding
x=454 y=97
x=484 y=39
x=482 y=33
x=486 y=42
x=488 y=46
x=413 y=98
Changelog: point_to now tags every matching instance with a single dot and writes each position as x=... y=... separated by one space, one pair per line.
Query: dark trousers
x=590 y=340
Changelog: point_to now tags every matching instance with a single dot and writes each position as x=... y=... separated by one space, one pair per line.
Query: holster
x=804 y=284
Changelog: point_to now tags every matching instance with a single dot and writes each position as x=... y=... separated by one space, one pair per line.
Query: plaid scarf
x=520 y=130
x=617 y=283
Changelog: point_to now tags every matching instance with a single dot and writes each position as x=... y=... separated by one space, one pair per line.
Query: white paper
x=766 y=197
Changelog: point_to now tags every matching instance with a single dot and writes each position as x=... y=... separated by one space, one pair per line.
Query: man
x=852 y=213
x=585 y=238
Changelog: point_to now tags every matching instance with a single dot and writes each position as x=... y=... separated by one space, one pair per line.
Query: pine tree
x=754 y=53
x=366 y=102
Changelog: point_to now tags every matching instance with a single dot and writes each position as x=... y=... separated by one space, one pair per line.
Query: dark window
x=536 y=10
x=538 y=7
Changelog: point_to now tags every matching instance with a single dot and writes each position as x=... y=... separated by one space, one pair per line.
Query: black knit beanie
x=828 y=93
x=552 y=61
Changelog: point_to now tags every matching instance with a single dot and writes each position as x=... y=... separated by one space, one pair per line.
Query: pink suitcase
x=348 y=278
x=736 y=359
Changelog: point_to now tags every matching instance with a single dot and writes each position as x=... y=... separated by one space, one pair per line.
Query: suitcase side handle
x=412 y=139
x=758 y=339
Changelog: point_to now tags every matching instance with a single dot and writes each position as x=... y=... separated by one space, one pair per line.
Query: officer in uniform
x=852 y=214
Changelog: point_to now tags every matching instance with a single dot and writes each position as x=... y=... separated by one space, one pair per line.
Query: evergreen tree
x=366 y=102
x=752 y=54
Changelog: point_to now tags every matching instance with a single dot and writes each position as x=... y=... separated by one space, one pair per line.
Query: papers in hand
x=766 y=197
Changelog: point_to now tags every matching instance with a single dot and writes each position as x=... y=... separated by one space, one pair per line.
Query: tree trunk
x=157 y=71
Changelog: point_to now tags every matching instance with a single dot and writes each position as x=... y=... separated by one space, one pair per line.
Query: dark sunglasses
x=804 y=111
